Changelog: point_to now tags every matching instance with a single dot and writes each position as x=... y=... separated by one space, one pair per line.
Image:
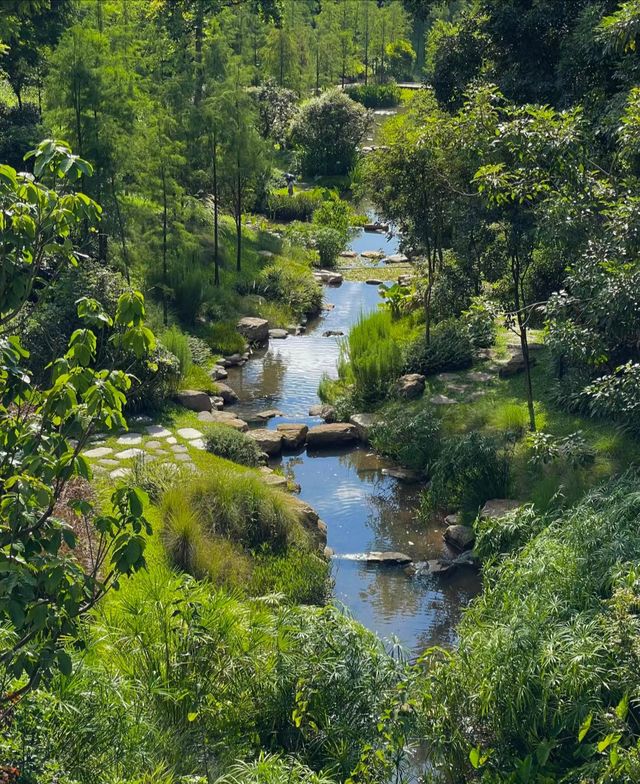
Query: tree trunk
x=216 y=224
x=121 y=231
x=199 y=33
x=519 y=300
x=238 y=241
x=366 y=42
x=165 y=272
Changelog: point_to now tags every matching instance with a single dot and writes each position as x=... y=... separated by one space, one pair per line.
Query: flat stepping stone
x=172 y=440
x=119 y=473
x=128 y=454
x=443 y=400
x=99 y=451
x=108 y=462
x=154 y=445
x=402 y=474
x=479 y=377
x=158 y=431
x=198 y=443
x=269 y=413
x=130 y=438
x=182 y=458
x=387 y=558
x=458 y=389
x=178 y=448
x=373 y=282
x=189 y=433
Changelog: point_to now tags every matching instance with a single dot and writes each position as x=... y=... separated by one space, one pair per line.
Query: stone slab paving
x=99 y=451
x=179 y=448
x=129 y=453
x=158 y=431
x=189 y=433
x=198 y=443
x=108 y=462
x=154 y=445
x=119 y=473
x=172 y=440
x=130 y=438
x=182 y=457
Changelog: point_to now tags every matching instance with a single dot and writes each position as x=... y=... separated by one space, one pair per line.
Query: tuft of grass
x=226 y=442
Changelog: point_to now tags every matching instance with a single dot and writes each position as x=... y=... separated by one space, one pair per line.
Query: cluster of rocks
x=330 y=277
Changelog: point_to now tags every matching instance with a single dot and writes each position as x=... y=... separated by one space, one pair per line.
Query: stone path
x=148 y=442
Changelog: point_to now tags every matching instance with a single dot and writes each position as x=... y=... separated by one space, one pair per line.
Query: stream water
x=363 y=508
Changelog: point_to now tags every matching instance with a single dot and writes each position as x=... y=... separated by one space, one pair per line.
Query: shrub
x=330 y=243
x=480 y=320
x=226 y=442
x=449 y=349
x=200 y=351
x=237 y=505
x=158 y=380
x=572 y=449
x=272 y=769
x=156 y=477
x=293 y=287
x=409 y=435
x=192 y=287
x=175 y=341
x=192 y=549
x=375 y=96
x=511 y=418
x=300 y=206
x=401 y=58
x=327 y=132
x=468 y=472
x=547 y=656
x=371 y=356
x=301 y=576
x=499 y=536
x=223 y=337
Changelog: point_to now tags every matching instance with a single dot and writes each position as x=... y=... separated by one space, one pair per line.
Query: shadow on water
x=363 y=508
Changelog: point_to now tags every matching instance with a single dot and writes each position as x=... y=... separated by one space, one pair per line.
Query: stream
x=363 y=508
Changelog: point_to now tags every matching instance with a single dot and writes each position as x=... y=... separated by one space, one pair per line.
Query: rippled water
x=364 y=509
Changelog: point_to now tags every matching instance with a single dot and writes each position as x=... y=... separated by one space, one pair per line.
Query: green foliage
x=300 y=576
x=375 y=96
x=571 y=449
x=409 y=435
x=327 y=131
x=287 y=285
x=270 y=769
x=44 y=589
x=300 y=206
x=223 y=337
x=401 y=58
x=227 y=442
x=175 y=341
x=480 y=320
x=371 y=356
x=502 y=536
x=235 y=504
x=468 y=472
x=449 y=348
x=548 y=653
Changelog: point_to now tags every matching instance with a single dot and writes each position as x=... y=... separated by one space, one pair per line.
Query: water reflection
x=364 y=509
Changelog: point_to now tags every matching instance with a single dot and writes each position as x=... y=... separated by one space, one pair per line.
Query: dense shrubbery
x=449 y=348
x=299 y=292
x=226 y=442
x=409 y=435
x=371 y=356
x=302 y=577
x=375 y=96
x=547 y=660
x=171 y=664
x=480 y=321
x=469 y=471
x=300 y=206
x=327 y=131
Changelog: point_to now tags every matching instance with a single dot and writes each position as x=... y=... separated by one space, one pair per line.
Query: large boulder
x=293 y=435
x=460 y=537
x=254 y=330
x=335 y=434
x=194 y=400
x=324 y=411
x=364 y=423
x=410 y=386
x=310 y=520
x=226 y=393
x=270 y=441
